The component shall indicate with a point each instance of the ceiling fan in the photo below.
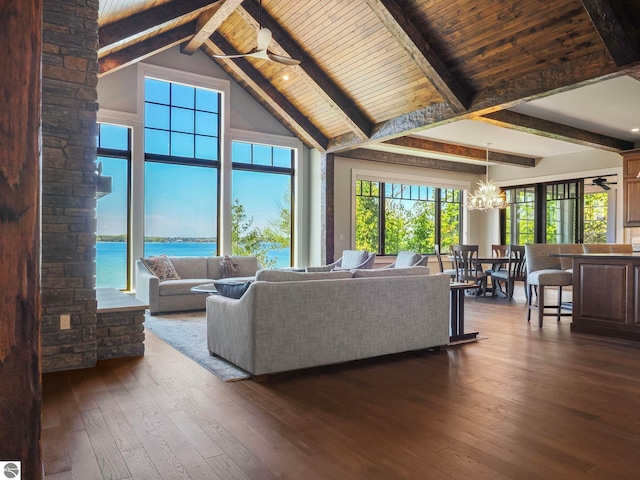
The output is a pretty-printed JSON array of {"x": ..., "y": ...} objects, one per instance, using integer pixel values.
[
  {"x": 262, "y": 48},
  {"x": 602, "y": 183}
]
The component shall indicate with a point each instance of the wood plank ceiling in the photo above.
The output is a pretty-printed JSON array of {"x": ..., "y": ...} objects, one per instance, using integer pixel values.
[{"x": 379, "y": 70}]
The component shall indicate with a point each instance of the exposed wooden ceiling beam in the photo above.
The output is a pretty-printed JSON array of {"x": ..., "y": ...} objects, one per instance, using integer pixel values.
[
  {"x": 241, "y": 70},
  {"x": 317, "y": 78},
  {"x": 153, "y": 18},
  {"x": 561, "y": 77},
  {"x": 620, "y": 40},
  {"x": 413, "y": 161},
  {"x": 208, "y": 22},
  {"x": 141, "y": 50},
  {"x": 413, "y": 42},
  {"x": 480, "y": 154},
  {"x": 544, "y": 128}
]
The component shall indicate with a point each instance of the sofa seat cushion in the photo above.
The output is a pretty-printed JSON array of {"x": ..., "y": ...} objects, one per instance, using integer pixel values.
[
  {"x": 182, "y": 286},
  {"x": 550, "y": 277}
]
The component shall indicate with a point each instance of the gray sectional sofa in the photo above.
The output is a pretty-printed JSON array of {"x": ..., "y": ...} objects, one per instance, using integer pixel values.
[
  {"x": 288, "y": 320},
  {"x": 176, "y": 295}
]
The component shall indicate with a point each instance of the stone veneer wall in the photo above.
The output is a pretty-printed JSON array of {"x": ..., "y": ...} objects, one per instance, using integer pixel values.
[
  {"x": 120, "y": 334},
  {"x": 69, "y": 106}
]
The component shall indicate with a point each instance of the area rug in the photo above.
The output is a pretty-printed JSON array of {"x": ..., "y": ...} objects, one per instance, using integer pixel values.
[{"x": 187, "y": 333}]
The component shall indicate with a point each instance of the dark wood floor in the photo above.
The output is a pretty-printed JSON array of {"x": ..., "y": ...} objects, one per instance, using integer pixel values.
[{"x": 523, "y": 403}]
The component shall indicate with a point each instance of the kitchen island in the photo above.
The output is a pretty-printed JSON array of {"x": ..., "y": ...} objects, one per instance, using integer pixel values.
[{"x": 606, "y": 294}]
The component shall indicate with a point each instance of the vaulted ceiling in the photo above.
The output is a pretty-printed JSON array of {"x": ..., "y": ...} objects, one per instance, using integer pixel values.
[{"x": 388, "y": 72}]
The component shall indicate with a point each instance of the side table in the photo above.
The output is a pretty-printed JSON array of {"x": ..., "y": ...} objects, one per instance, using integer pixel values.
[{"x": 456, "y": 311}]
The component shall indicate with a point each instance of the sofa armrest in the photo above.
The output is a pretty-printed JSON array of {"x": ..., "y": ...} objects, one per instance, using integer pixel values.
[
  {"x": 230, "y": 329},
  {"x": 147, "y": 287}
]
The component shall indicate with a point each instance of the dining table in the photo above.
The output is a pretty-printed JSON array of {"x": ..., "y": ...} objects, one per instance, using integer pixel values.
[{"x": 495, "y": 262}]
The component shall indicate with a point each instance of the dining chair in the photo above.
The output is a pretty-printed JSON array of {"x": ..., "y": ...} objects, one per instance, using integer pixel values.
[
  {"x": 515, "y": 271},
  {"x": 468, "y": 267},
  {"x": 451, "y": 272},
  {"x": 497, "y": 251}
]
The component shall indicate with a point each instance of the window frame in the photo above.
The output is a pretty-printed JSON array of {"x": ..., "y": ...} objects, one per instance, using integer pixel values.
[
  {"x": 115, "y": 153},
  {"x": 540, "y": 216},
  {"x": 180, "y": 160},
  {"x": 412, "y": 180},
  {"x": 272, "y": 169}
]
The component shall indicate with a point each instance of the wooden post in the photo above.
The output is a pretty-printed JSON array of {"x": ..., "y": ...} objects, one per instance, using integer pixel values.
[{"x": 20, "y": 157}]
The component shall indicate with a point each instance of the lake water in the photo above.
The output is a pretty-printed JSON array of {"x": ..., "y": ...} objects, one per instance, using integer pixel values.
[{"x": 111, "y": 258}]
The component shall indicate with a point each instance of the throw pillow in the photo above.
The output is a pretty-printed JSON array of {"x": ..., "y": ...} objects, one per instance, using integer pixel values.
[
  {"x": 161, "y": 267},
  {"x": 231, "y": 289},
  {"x": 228, "y": 268}
]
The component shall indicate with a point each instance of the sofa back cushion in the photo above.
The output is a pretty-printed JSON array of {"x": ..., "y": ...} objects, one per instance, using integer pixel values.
[
  {"x": 390, "y": 272},
  {"x": 353, "y": 258},
  {"x": 247, "y": 266},
  {"x": 407, "y": 259},
  {"x": 287, "y": 276},
  {"x": 190, "y": 267}
]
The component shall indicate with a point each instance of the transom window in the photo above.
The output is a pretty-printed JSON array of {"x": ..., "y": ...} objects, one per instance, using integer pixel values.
[{"x": 181, "y": 120}]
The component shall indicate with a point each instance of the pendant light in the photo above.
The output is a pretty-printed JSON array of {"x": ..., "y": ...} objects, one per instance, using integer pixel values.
[{"x": 487, "y": 196}]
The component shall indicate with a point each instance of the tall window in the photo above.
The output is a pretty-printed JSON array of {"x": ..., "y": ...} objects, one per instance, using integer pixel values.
[
  {"x": 262, "y": 202},
  {"x": 519, "y": 225},
  {"x": 563, "y": 220},
  {"x": 391, "y": 217},
  {"x": 596, "y": 206},
  {"x": 112, "y": 211},
  {"x": 182, "y": 150}
]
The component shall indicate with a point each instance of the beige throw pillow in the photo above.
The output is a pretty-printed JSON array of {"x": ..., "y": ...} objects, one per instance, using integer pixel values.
[{"x": 161, "y": 267}]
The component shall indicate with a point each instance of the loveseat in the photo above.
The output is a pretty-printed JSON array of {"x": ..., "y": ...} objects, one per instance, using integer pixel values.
[
  {"x": 176, "y": 295},
  {"x": 288, "y": 320}
]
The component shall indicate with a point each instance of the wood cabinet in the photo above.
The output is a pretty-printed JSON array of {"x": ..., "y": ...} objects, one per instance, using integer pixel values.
[
  {"x": 631, "y": 185},
  {"x": 606, "y": 291}
]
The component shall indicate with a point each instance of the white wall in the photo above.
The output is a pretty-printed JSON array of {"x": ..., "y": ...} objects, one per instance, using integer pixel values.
[
  {"x": 560, "y": 167},
  {"x": 118, "y": 91}
]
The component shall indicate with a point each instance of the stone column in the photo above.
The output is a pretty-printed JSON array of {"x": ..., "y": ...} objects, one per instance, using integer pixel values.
[{"x": 69, "y": 105}]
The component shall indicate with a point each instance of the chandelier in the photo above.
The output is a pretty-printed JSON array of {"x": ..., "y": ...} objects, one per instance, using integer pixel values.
[{"x": 487, "y": 196}]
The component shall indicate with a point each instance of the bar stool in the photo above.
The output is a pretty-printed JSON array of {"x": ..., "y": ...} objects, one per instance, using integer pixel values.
[{"x": 545, "y": 271}]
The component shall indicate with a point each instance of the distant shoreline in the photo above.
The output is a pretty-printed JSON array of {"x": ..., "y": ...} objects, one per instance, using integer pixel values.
[{"x": 123, "y": 238}]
